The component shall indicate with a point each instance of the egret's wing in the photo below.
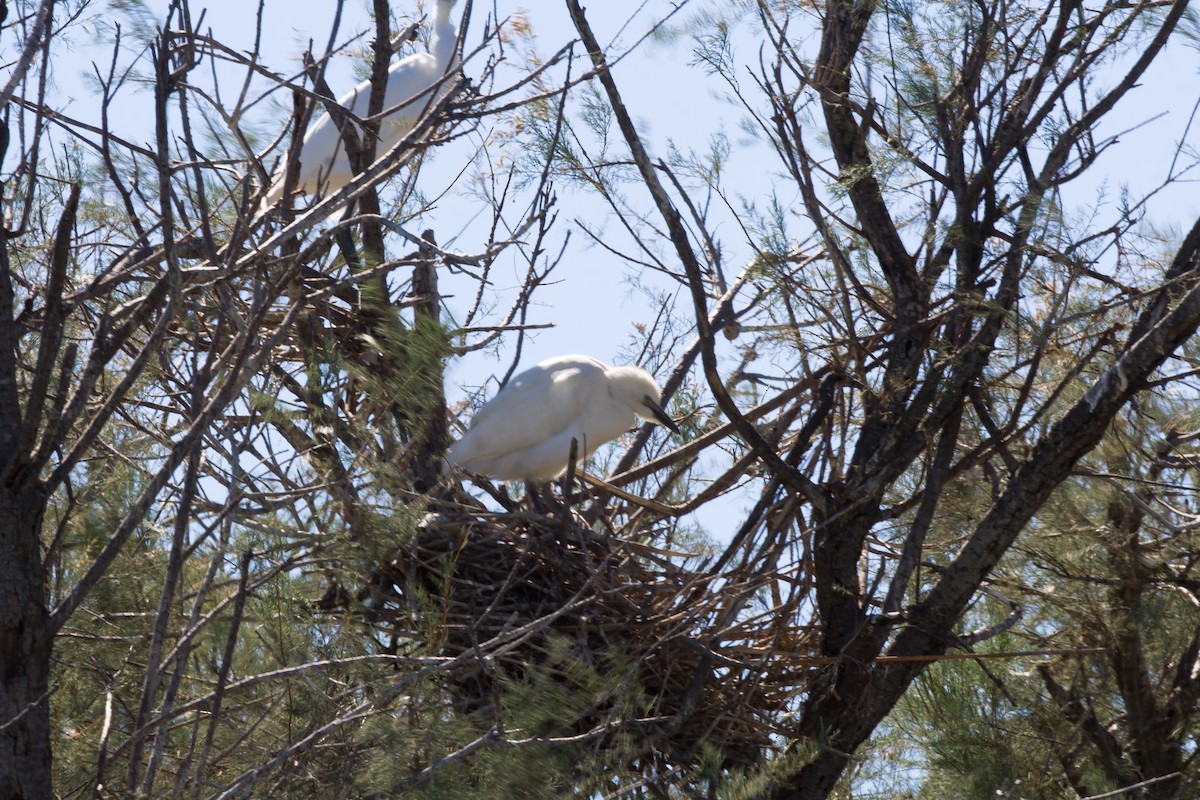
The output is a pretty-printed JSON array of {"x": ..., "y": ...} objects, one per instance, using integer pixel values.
[
  {"x": 535, "y": 406},
  {"x": 323, "y": 158},
  {"x": 407, "y": 78}
]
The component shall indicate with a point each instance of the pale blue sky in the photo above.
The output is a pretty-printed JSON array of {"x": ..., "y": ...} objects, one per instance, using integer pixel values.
[
  {"x": 591, "y": 306},
  {"x": 672, "y": 101}
]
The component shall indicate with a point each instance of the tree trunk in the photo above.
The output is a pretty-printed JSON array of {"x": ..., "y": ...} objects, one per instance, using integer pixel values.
[{"x": 26, "y": 635}]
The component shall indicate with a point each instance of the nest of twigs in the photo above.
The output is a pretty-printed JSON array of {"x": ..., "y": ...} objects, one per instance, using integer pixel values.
[{"x": 539, "y": 599}]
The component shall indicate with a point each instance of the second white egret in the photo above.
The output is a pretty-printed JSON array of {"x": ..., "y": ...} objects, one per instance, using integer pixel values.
[
  {"x": 525, "y": 431},
  {"x": 323, "y": 161}
]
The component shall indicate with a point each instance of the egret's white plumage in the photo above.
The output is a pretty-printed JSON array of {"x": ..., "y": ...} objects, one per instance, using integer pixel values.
[
  {"x": 323, "y": 161},
  {"x": 525, "y": 432}
]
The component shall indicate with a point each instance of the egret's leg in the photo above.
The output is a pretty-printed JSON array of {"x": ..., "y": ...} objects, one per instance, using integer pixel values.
[{"x": 532, "y": 491}]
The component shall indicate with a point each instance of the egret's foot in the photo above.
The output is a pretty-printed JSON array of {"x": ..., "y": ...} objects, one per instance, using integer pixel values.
[{"x": 541, "y": 498}]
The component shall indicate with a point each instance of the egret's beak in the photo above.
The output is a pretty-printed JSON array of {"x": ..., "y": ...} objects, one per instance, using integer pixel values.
[{"x": 660, "y": 415}]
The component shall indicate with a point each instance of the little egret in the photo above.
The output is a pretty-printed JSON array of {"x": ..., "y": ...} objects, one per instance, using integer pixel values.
[
  {"x": 323, "y": 161},
  {"x": 525, "y": 432}
]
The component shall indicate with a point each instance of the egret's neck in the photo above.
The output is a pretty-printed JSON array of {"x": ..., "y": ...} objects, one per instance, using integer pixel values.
[{"x": 445, "y": 37}]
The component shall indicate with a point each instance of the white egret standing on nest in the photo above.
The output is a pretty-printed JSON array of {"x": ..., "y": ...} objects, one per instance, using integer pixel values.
[
  {"x": 323, "y": 161},
  {"x": 525, "y": 432}
]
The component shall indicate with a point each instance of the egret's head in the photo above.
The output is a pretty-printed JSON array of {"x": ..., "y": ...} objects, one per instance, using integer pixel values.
[{"x": 637, "y": 389}]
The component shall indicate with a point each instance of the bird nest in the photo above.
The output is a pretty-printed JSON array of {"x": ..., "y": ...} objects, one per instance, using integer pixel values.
[{"x": 658, "y": 663}]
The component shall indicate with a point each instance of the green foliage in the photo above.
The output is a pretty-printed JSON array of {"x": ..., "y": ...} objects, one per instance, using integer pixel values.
[
  {"x": 967, "y": 739},
  {"x": 1098, "y": 577}
]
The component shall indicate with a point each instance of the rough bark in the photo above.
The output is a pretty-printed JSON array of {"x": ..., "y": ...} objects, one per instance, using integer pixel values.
[{"x": 26, "y": 635}]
